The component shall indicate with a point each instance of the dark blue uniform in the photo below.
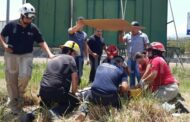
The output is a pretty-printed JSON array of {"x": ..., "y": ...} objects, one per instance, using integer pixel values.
[
  {"x": 104, "y": 90},
  {"x": 21, "y": 39}
]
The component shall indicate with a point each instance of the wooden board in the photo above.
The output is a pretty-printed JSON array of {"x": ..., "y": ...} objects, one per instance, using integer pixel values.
[{"x": 110, "y": 24}]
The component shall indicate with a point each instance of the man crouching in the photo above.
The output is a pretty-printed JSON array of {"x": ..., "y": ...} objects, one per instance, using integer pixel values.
[
  {"x": 60, "y": 74},
  {"x": 110, "y": 79}
]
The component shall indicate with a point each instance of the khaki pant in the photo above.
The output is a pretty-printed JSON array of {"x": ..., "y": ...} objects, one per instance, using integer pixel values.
[
  {"x": 18, "y": 70},
  {"x": 167, "y": 93}
]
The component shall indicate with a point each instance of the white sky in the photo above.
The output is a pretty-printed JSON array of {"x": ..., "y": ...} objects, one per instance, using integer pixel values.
[{"x": 180, "y": 9}]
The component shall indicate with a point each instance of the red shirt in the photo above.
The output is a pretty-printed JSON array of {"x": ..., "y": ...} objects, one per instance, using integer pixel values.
[{"x": 164, "y": 75}]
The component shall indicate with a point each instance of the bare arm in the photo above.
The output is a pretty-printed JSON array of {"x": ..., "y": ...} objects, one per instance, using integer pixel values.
[
  {"x": 105, "y": 48},
  {"x": 150, "y": 78},
  {"x": 75, "y": 28},
  {"x": 45, "y": 47},
  {"x": 74, "y": 82},
  {"x": 147, "y": 71},
  {"x": 86, "y": 49},
  {"x": 124, "y": 87},
  {"x": 121, "y": 39}
]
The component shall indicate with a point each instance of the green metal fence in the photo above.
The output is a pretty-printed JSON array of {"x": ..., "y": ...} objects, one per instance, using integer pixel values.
[{"x": 54, "y": 17}]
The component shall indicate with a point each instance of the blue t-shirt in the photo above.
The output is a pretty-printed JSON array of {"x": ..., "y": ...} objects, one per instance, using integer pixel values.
[
  {"x": 135, "y": 43},
  {"x": 108, "y": 77},
  {"x": 79, "y": 37}
]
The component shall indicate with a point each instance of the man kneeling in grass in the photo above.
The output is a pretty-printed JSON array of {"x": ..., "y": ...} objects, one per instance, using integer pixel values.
[
  {"x": 158, "y": 76},
  {"x": 60, "y": 74},
  {"x": 109, "y": 79}
]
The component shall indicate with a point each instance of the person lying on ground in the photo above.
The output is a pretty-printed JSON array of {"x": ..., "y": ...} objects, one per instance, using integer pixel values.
[
  {"x": 109, "y": 78},
  {"x": 59, "y": 76}
]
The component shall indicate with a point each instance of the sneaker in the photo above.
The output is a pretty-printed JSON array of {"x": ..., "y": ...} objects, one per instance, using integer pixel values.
[{"x": 181, "y": 108}]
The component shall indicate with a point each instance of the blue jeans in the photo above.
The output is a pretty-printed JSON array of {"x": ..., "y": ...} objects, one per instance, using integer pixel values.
[
  {"x": 79, "y": 62},
  {"x": 134, "y": 72}
]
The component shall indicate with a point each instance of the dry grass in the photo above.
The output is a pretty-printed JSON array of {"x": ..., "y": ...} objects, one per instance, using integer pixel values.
[{"x": 143, "y": 109}]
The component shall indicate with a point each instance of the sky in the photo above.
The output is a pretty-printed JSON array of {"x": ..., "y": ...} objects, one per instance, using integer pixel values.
[{"x": 180, "y": 9}]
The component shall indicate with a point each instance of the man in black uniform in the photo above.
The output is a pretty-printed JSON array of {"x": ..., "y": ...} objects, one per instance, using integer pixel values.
[
  {"x": 96, "y": 45},
  {"x": 60, "y": 74},
  {"x": 17, "y": 39}
]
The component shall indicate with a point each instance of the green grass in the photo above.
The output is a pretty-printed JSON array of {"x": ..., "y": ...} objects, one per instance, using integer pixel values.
[
  {"x": 2, "y": 70},
  {"x": 183, "y": 76}
]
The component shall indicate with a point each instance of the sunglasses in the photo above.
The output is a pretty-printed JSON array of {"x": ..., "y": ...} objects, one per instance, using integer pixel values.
[{"x": 29, "y": 16}]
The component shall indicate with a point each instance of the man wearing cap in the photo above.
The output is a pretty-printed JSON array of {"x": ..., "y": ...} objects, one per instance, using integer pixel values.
[
  {"x": 77, "y": 34},
  {"x": 110, "y": 79},
  {"x": 136, "y": 41},
  {"x": 17, "y": 39},
  {"x": 59, "y": 76}
]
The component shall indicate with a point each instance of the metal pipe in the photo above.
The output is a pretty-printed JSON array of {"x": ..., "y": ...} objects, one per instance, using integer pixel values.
[
  {"x": 23, "y": 1},
  {"x": 72, "y": 7},
  {"x": 177, "y": 37},
  {"x": 8, "y": 11}
]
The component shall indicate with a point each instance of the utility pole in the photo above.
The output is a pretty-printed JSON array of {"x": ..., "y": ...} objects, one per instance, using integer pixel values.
[
  {"x": 71, "y": 12},
  {"x": 8, "y": 11},
  {"x": 23, "y": 1}
]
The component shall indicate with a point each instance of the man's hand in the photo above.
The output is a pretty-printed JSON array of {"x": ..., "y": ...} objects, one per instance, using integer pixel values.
[
  {"x": 87, "y": 62},
  {"x": 95, "y": 55},
  {"x": 80, "y": 24},
  {"x": 7, "y": 48},
  {"x": 140, "y": 84},
  {"x": 51, "y": 56}
]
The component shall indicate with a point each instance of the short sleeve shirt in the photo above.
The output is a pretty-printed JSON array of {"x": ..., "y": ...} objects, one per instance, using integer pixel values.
[
  {"x": 96, "y": 44},
  {"x": 58, "y": 73},
  {"x": 79, "y": 37},
  {"x": 135, "y": 43},
  {"x": 108, "y": 77},
  {"x": 164, "y": 75},
  {"x": 21, "y": 39}
]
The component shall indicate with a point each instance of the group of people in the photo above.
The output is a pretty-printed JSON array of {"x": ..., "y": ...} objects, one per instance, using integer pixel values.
[{"x": 145, "y": 62}]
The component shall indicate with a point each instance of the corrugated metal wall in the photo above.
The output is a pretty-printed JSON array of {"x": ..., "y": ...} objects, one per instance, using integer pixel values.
[{"x": 53, "y": 17}]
